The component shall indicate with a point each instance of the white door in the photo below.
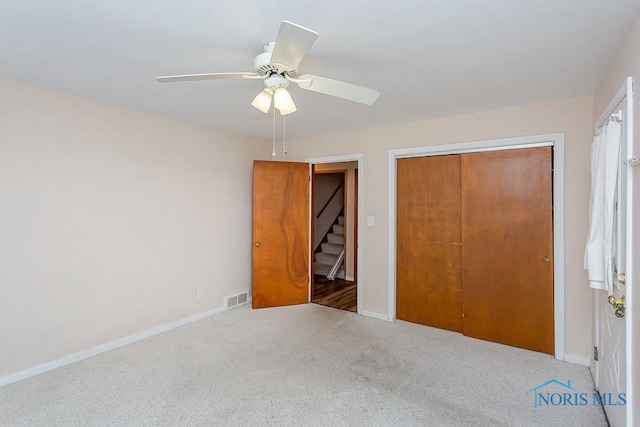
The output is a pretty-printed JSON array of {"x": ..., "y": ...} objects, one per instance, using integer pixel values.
[{"x": 611, "y": 368}]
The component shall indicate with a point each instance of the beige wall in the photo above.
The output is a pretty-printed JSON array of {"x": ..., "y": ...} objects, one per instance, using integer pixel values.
[
  {"x": 572, "y": 117},
  {"x": 627, "y": 63},
  {"x": 110, "y": 220}
]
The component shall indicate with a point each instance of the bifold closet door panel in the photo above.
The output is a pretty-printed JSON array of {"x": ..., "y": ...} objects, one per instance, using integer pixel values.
[
  {"x": 507, "y": 247},
  {"x": 428, "y": 264},
  {"x": 429, "y": 284}
]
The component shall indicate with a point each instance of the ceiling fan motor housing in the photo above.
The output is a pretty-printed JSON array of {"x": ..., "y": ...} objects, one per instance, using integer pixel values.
[
  {"x": 263, "y": 66},
  {"x": 275, "y": 81}
]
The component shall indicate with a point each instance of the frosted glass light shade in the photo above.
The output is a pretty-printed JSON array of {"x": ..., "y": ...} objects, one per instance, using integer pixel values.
[
  {"x": 283, "y": 101},
  {"x": 262, "y": 101}
]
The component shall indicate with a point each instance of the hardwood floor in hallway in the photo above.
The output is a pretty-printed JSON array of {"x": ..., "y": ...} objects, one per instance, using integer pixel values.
[{"x": 338, "y": 293}]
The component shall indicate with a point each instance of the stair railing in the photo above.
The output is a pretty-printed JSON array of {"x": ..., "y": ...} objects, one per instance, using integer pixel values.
[
  {"x": 325, "y": 218},
  {"x": 330, "y": 199},
  {"x": 336, "y": 266}
]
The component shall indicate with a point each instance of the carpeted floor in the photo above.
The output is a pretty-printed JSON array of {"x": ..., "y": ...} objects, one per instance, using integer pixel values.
[{"x": 301, "y": 365}]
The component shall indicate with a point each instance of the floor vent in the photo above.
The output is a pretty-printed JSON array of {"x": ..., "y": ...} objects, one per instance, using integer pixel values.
[{"x": 236, "y": 300}]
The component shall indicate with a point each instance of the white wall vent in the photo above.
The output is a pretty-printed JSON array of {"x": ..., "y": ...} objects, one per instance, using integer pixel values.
[
  {"x": 243, "y": 298},
  {"x": 236, "y": 300},
  {"x": 232, "y": 301}
]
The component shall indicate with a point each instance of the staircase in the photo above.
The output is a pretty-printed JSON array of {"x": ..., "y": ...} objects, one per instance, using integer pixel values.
[{"x": 330, "y": 251}]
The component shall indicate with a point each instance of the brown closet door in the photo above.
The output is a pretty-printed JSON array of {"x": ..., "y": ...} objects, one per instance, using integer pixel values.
[
  {"x": 428, "y": 282},
  {"x": 507, "y": 247}
]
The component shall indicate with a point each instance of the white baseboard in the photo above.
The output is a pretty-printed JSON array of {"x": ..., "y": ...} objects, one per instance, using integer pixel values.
[
  {"x": 375, "y": 315},
  {"x": 75, "y": 357},
  {"x": 578, "y": 360}
]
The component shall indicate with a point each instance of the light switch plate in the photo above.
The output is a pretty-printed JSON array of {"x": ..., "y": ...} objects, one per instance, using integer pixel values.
[{"x": 371, "y": 221}]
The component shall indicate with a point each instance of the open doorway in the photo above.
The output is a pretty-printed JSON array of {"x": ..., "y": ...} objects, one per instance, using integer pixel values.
[{"x": 334, "y": 225}]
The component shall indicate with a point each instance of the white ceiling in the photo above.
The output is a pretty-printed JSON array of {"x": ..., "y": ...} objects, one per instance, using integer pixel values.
[{"x": 428, "y": 58}]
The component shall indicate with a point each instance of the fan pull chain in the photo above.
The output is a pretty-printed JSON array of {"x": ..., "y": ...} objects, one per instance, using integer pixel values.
[
  {"x": 284, "y": 134},
  {"x": 273, "y": 150}
]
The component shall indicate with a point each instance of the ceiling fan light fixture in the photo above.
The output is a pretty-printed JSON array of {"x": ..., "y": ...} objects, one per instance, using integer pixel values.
[
  {"x": 262, "y": 101},
  {"x": 283, "y": 101}
]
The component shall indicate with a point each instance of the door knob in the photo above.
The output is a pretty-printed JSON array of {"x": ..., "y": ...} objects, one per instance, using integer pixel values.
[
  {"x": 618, "y": 305},
  {"x": 257, "y": 244},
  {"x": 616, "y": 301}
]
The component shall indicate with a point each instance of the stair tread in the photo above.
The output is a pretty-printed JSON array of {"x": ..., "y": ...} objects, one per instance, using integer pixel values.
[
  {"x": 325, "y": 257},
  {"x": 323, "y": 269},
  {"x": 335, "y": 238},
  {"x": 332, "y": 248}
]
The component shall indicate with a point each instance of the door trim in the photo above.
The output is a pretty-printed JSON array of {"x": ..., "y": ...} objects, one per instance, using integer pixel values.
[
  {"x": 357, "y": 157},
  {"x": 557, "y": 141}
]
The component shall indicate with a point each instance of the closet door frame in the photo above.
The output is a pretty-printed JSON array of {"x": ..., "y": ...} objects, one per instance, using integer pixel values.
[{"x": 555, "y": 140}]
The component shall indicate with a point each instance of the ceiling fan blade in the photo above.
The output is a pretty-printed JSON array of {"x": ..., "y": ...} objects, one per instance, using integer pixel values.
[
  {"x": 338, "y": 89},
  {"x": 292, "y": 45},
  {"x": 210, "y": 76}
]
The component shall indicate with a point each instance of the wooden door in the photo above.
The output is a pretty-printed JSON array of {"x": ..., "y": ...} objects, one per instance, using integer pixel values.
[
  {"x": 280, "y": 233},
  {"x": 429, "y": 288},
  {"x": 507, "y": 247}
]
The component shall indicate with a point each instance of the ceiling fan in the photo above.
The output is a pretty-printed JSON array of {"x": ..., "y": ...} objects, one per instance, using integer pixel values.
[{"x": 277, "y": 66}]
